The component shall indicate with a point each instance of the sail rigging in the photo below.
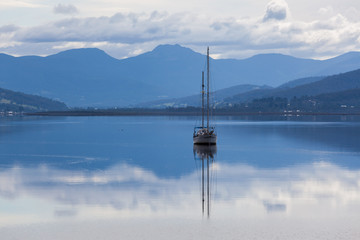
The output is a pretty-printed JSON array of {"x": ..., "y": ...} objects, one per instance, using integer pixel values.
[{"x": 202, "y": 134}]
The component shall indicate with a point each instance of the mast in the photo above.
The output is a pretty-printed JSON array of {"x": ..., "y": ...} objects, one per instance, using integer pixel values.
[
  {"x": 202, "y": 101},
  {"x": 208, "y": 88}
]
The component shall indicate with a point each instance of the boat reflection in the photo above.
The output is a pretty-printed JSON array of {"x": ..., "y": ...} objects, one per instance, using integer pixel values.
[{"x": 206, "y": 153}]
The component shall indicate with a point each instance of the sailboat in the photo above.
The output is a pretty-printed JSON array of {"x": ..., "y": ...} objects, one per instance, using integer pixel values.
[{"x": 205, "y": 134}]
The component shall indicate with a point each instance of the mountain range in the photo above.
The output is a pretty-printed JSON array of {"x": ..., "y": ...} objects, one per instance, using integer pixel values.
[{"x": 90, "y": 77}]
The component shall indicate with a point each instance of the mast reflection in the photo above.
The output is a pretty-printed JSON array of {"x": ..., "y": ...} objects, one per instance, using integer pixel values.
[{"x": 208, "y": 153}]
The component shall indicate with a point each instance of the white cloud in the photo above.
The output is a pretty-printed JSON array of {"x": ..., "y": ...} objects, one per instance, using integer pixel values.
[
  {"x": 276, "y": 10},
  {"x": 123, "y": 28},
  {"x": 65, "y": 9},
  {"x": 8, "y": 28},
  {"x": 70, "y": 45},
  {"x": 353, "y": 14},
  {"x": 125, "y": 34},
  {"x": 329, "y": 10},
  {"x": 18, "y": 4}
]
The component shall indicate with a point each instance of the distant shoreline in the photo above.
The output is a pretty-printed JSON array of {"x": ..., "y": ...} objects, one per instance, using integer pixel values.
[{"x": 179, "y": 113}]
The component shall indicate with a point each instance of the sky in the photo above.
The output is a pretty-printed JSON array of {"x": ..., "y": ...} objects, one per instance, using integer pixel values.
[{"x": 317, "y": 29}]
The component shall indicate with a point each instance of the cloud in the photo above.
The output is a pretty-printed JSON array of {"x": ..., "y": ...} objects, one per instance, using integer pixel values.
[
  {"x": 326, "y": 10},
  {"x": 119, "y": 28},
  {"x": 18, "y": 4},
  {"x": 353, "y": 14},
  {"x": 65, "y": 9},
  {"x": 8, "y": 28},
  {"x": 125, "y": 34},
  {"x": 276, "y": 10}
]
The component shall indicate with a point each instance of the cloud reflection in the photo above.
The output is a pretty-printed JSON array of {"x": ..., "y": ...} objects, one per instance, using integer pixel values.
[{"x": 130, "y": 191}]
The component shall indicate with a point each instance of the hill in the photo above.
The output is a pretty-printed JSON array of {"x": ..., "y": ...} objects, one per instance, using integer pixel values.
[
  {"x": 20, "y": 102},
  {"x": 330, "y": 84},
  {"x": 301, "y": 81},
  {"x": 90, "y": 77},
  {"x": 347, "y": 101}
]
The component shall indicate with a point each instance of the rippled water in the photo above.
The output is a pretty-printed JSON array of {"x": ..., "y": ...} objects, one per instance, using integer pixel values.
[{"x": 141, "y": 178}]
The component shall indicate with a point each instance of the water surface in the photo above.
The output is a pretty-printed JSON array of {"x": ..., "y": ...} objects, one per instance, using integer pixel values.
[{"x": 140, "y": 177}]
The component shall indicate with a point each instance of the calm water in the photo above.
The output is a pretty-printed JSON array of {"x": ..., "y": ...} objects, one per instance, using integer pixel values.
[{"x": 141, "y": 178}]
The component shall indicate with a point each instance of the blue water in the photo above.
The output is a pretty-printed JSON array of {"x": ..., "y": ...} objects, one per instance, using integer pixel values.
[
  {"x": 67, "y": 170},
  {"x": 164, "y": 145}
]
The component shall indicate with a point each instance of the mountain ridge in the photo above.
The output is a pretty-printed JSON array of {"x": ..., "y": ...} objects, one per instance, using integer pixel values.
[{"x": 91, "y": 77}]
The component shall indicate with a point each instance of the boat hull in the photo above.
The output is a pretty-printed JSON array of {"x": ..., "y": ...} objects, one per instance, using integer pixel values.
[{"x": 205, "y": 139}]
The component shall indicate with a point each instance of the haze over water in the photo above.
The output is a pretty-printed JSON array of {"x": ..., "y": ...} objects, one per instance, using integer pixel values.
[{"x": 140, "y": 177}]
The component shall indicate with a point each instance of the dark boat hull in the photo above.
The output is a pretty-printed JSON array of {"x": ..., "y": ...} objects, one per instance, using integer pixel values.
[{"x": 205, "y": 139}]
